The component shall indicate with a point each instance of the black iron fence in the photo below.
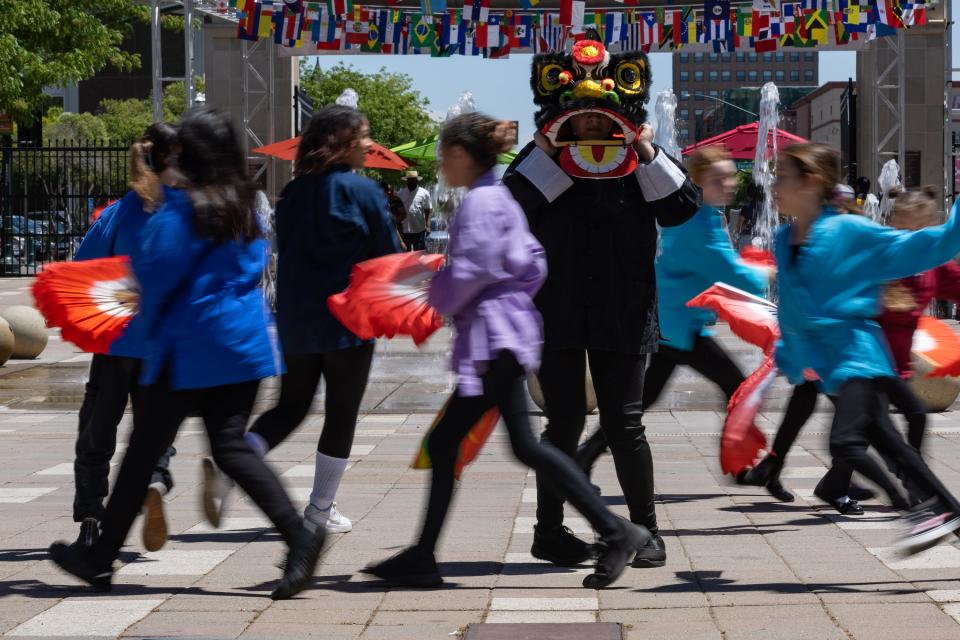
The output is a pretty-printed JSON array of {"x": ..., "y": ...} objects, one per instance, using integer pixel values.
[{"x": 47, "y": 196}]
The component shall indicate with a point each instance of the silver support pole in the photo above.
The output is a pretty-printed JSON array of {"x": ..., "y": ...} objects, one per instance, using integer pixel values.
[
  {"x": 947, "y": 106},
  {"x": 157, "y": 61},
  {"x": 188, "y": 50},
  {"x": 902, "y": 103},
  {"x": 271, "y": 115}
]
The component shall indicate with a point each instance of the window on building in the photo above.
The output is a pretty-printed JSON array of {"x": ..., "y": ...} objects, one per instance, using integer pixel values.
[
  {"x": 752, "y": 74},
  {"x": 698, "y": 57},
  {"x": 795, "y": 75},
  {"x": 726, "y": 57},
  {"x": 911, "y": 172},
  {"x": 767, "y": 75},
  {"x": 794, "y": 57},
  {"x": 808, "y": 56},
  {"x": 698, "y": 113},
  {"x": 684, "y": 76},
  {"x": 685, "y": 133},
  {"x": 698, "y": 97},
  {"x": 752, "y": 57},
  {"x": 741, "y": 75},
  {"x": 714, "y": 76},
  {"x": 779, "y": 76},
  {"x": 741, "y": 57},
  {"x": 768, "y": 57},
  {"x": 684, "y": 114},
  {"x": 780, "y": 56},
  {"x": 725, "y": 76},
  {"x": 684, "y": 95},
  {"x": 684, "y": 57},
  {"x": 808, "y": 75},
  {"x": 714, "y": 57},
  {"x": 698, "y": 76},
  {"x": 713, "y": 93}
]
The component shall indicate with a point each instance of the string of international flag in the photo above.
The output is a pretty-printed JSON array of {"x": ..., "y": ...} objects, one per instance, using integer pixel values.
[{"x": 477, "y": 30}]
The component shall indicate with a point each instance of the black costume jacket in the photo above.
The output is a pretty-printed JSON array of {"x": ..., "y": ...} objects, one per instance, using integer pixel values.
[{"x": 600, "y": 238}]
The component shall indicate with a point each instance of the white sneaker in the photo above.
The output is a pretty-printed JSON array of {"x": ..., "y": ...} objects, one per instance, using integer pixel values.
[
  {"x": 330, "y": 519},
  {"x": 216, "y": 488}
]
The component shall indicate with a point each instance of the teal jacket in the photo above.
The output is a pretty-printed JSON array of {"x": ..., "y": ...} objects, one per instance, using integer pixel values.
[
  {"x": 695, "y": 255},
  {"x": 829, "y": 293}
]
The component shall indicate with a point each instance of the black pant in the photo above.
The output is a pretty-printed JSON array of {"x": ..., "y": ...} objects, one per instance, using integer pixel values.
[
  {"x": 618, "y": 382},
  {"x": 345, "y": 372},
  {"x": 113, "y": 379},
  {"x": 803, "y": 402},
  {"x": 913, "y": 409},
  {"x": 556, "y": 472},
  {"x": 862, "y": 419},
  {"x": 415, "y": 241},
  {"x": 706, "y": 358},
  {"x": 158, "y": 413}
]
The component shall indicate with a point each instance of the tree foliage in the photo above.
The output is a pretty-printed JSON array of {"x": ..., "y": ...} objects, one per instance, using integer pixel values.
[
  {"x": 55, "y": 42},
  {"x": 72, "y": 127},
  {"x": 397, "y": 113}
]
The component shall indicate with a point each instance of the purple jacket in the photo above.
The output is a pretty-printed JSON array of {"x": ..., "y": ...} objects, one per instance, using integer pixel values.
[{"x": 496, "y": 267}]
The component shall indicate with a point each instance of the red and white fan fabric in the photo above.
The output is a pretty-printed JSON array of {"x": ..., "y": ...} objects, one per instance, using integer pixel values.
[
  {"x": 754, "y": 320},
  {"x": 758, "y": 257},
  {"x": 741, "y": 441},
  {"x": 92, "y": 301},
  {"x": 387, "y": 296},
  {"x": 936, "y": 343},
  {"x": 751, "y": 318}
]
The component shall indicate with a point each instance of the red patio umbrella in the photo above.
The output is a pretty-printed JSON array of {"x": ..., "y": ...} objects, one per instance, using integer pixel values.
[
  {"x": 742, "y": 141},
  {"x": 378, "y": 158}
]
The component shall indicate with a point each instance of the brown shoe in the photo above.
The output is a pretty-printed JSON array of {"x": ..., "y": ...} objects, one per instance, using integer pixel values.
[{"x": 154, "y": 519}]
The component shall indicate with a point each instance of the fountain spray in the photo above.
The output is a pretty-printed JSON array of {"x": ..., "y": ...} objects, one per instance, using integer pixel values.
[
  {"x": 765, "y": 164},
  {"x": 665, "y": 123}
]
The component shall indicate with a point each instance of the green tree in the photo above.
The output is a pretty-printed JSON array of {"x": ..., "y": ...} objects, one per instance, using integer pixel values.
[
  {"x": 72, "y": 127},
  {"x": 56, "y": 42},
  {"x": 396, "y": 111},
  {"x": 126, "y": 120}
]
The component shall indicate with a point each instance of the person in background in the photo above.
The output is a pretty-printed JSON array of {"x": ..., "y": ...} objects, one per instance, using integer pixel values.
[
  {"x": 496, "y": 268},
  {"x": 205, "y": 317},
  {"x": 748, "y": 215},
  {"x": 328, "y": 219},
  {"x": 397, "y": 211},
  {"x": 114, "y": 375},
  {"x": 417, "y": 203}
]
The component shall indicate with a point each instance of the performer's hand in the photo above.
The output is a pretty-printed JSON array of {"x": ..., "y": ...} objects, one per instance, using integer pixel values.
[
  {"x": 644, "y": 143},
  {"x": 544, "y": 143}
]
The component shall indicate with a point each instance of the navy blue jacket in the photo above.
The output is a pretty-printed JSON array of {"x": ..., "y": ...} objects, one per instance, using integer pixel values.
[{"x": 326, "y": 223}]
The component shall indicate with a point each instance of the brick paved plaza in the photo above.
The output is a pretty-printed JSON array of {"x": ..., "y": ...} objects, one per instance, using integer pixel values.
[{"x": 740, "y": 565}]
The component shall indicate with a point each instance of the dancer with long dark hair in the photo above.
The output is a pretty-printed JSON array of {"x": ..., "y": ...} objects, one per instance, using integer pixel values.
[{"x": 202, "y": 309}]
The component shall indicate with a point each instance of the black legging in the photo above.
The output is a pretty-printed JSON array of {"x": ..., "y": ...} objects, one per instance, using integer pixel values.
[
  {"x": 618, "y": 382},
  {"x": 158, "y": 413},
  {"x": 503, "y": 388},
  {"x": 345, "y": 372},
  {"x": 113, "y": 380},
  {"x": 706, "y": 357},
  {"x": 862, "y": 419}
]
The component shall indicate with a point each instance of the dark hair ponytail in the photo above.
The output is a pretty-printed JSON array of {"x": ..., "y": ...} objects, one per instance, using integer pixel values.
[
  {"x": 215, "y": 170},
  {"x": 148, "y": 159},
  {"x": 482, "y": 137}
]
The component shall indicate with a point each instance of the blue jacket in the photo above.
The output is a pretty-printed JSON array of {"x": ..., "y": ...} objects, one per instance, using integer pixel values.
[
  {"x": 829, "y": 293},
  {"x": 201, "y": 306},
  {"x": 326, "y": 223},
  {"x": 695, "y": 255},
  {"x": 117, "y": 233}
]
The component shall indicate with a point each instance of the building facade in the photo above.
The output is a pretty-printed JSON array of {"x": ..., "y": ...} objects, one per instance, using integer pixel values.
[
  {"x": 700, "y": 80},
  {"x": 818, "y": 114}
]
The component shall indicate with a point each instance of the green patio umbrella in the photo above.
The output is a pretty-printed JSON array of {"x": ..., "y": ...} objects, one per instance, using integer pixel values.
[{"x": 426, "y": 149}]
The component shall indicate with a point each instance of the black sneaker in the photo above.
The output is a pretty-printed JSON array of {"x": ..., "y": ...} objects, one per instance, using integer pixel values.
[
  {"x": 301, "y": 561},
  {"x": 615, "y": 552},
  {"x": 766, "y": 471},
  {"x": 925, "y": 525},
  {"x": 559, "y": 546},
  {"x": 844, "y": 505},
  {"x": 776, "y": 489},
  {"x": 412, "y": 567},
  {"x": 89, "y": 533},
  {"x": 78, "y": 561},
  {"x": 652, "y": 554}
]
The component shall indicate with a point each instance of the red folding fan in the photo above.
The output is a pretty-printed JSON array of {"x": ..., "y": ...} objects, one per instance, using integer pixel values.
[
  {"x": 92, "y": 301},
  {"x": 387, "y": 296},
  {"x": 751, "y": 318},
  {"x": 741, "y": 441},
  {"x": 936, "y": 343}
]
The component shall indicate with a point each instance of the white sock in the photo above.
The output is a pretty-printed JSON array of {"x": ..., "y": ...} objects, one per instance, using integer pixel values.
[
  {"x": 326, "y": 480},
  {"x": 257, "y": 443}
]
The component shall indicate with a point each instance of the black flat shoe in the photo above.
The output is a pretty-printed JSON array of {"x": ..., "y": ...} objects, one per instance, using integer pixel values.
[
  {"x": 780, "y": 492},
  {"x": 650, "y": 555},
  {"x": 78, "y": 561},
  {"x": 559, "y": 546},
  {"x": 412, "y": 567},
  {"x": 301, "y": 562},
  {"x": 844, "y": 505},
  {"x": 615, "y": 553}
]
